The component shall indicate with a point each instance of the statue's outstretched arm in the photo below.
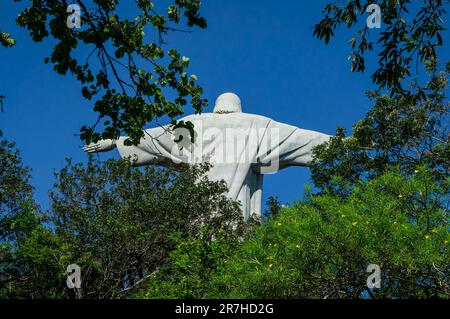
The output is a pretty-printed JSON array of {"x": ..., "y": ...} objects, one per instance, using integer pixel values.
[
  {"x": 100, "y": 146},
  {"x": 285, "y": 145}
]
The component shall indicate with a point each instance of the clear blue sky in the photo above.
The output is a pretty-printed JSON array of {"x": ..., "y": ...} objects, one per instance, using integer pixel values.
[{"x": 262, "y": 50}]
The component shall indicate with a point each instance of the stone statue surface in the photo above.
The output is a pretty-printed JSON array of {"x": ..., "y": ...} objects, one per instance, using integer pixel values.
[{"x": 241, "y": 147}]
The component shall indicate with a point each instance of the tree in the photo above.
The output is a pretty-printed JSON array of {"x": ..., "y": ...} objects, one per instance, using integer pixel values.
[
  {"x": 407, "y": 129},
  {"x": 408, "y": 125},
  {"x": 401, "y": 131},
  {"x": 192, "y": 265},
  {"x": 123, "y": 222},
  {"x": 15, "y": 191},
  {"x": 30, "y": 254},
  {"x": 411, "y": 33},
  {"x": 133, "y": 73},
  {"x": 117, "y": 222},
  {"x": 322, "y": 246},
  {"x": 6, "y": 40},
  {"x": 273, "y": 207}
]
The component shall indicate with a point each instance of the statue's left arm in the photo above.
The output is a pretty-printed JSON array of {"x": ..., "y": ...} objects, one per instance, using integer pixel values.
[{"x": 284, "y": 145}]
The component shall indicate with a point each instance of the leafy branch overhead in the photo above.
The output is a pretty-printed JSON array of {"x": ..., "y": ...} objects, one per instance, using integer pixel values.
[
  {"x": 6, "y": 40},
  {"x": 411, "y": 31},
  {"x": 133, "y": 74}
]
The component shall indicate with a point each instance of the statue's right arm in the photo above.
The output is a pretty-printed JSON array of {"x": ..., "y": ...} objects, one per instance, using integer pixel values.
[
  {"x": 156, "y": 147},
  {"x": 285, "y": 145},
  {"x": 100, "y": 146}
]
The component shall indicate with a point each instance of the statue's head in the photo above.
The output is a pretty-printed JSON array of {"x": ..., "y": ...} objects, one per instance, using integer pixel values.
[{"x": 228, "y": 103}]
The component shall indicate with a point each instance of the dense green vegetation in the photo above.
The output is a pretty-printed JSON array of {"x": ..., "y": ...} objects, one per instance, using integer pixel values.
[
  {"x": 321, "y": 247},
  {"x": 115, "y": 221}
]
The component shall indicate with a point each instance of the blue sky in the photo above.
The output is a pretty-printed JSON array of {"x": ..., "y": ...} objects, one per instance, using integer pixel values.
[{"x": 262, "y": 50}]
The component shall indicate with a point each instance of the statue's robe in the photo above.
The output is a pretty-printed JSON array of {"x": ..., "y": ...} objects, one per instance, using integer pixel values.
[{"x": 241, "y": 148}]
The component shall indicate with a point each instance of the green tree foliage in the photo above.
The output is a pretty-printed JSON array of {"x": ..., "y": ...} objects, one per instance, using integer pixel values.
[
  {"x": 273, "y": 207},
  {"x": 15, "y": 191},
  {"x": 6, "y": 40},
  {"x": 30, "y": 255},
  {"x": 117, "y": 222},
  {"x": 192, "y": 264},
  {"x": 128, "y": 67},
  {"x": 123, "y": 222},
  {"x": 411, "y": 32},
  {"x": 407, "y": 127},
  {"x": 322, "y": 246},
  {"x": 34, "y": 266},
  {"x": 402, "y": 131}
]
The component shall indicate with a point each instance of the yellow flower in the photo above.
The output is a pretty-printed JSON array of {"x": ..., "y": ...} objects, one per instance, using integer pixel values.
[
  {"x": 416, "y": 171},
  {"x": 279, "y": 224},
  {"x": 343, "y": 215},
  {"x": 446, "y": 242},
  {"x": 400, "y": 195},
  {"x": 354, "y": 224},
  {"x": 297, "y": 246},
  {"x": 270, "y": 266},
  {"x": 427, "y": 237},
  {"x": 395, "y": 223}
]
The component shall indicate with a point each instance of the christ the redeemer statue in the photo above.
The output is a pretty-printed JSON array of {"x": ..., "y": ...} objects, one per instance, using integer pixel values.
[{"x": 241, "y": 147}]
